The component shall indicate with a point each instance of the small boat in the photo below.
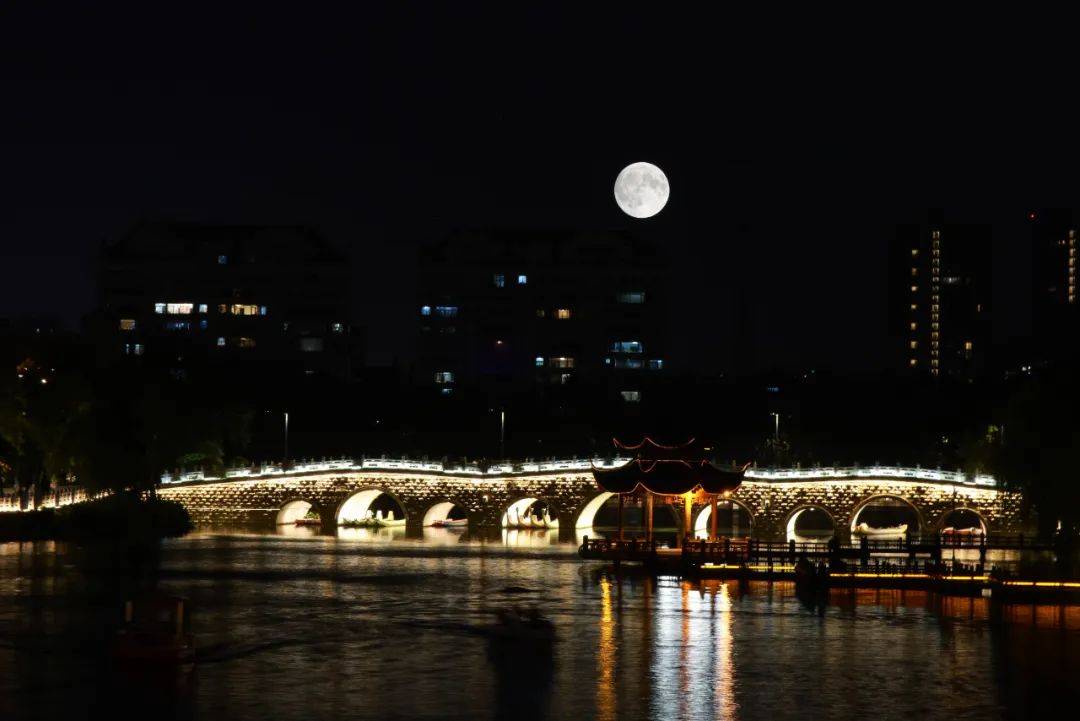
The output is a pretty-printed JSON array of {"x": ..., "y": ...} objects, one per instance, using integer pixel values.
[
  {"x": 864, "y": 529},
  {"x": 155, "y": 632},
  {"x": 308, "y": 522},
  {"x": 451, "y": 523},
  {"x": 527, "y": 520},
  {"x": 388, "y": 521},
  {"x": 951, "y": 532}
]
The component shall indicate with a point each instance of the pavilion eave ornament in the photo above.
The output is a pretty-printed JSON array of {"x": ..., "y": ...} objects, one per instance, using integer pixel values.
[{"x": 668, "y": 470}]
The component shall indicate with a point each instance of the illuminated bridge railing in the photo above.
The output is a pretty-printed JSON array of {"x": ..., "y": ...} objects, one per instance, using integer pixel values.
[
  {"x": 859, "y": 472},
  {"x": 778, "y": 475},
  {"x": 393, "y": 464}
]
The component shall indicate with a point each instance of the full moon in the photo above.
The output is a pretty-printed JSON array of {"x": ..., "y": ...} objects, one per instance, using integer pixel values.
[{"x": 641, "y": 190}]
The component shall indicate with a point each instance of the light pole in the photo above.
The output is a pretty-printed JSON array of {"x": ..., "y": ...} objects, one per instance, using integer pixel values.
[
  {"x": 502, "y": 433},
  {"x": 776, "y": 433},
  {"x": 285, "y": 459}
]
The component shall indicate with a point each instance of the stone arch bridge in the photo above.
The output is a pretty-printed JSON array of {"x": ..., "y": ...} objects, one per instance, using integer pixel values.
[{"x": 339, "y": 490}]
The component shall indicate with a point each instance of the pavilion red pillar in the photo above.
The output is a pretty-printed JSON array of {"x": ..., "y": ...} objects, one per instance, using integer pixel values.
[
  {"x": 712, "y": 518},
  {"x": 687, "y": 512},
  {"x": 620, "y": 517},
  {"x": 648, "y": 515}
]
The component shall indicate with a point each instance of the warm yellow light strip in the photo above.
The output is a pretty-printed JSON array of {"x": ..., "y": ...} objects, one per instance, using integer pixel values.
[{"x": 1044, "y": 584}]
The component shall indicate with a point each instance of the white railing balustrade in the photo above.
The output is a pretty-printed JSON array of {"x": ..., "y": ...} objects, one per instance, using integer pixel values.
[{"x": 576, "y": 464}]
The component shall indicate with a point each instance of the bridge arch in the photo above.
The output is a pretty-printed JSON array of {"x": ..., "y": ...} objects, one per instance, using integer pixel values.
[
  {"x": 587, "y": 514},
  {"x": 790, "y": 524},
  {"x": 293, "y": 510},
  {"x": 355, "y": 507},
  {"x": 702, "y": 523},
  {"x": 888, "y": 499},
  {"x": 525, "y": 506},
  {"x": 951, "y": 516},
  {"x": 444, "y": 510}
]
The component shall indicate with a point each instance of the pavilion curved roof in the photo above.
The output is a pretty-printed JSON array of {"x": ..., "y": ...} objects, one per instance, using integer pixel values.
[{"x": 667, "y": 470}]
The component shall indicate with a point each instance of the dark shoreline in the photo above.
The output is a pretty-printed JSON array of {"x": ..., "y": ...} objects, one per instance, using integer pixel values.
[{"x": 118, "y": 517}]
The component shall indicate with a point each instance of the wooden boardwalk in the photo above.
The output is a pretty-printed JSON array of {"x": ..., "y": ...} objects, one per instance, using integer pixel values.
[{"x": 868, "y": 564}]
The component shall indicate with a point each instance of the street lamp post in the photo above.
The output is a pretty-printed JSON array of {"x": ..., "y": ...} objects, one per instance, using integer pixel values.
[
  {"x": 776, "y": 432},
  {"x": 285, "y": 459},
  {"x": 502, "y": 433}
]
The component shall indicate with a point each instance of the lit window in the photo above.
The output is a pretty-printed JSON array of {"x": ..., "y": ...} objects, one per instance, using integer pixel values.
[
  {"x": 243, "y": 309},
  {"x": 914, "y": 307},
  {"x": 914, "y": 289},
  {"x": 262, "y": 310},
  {"x": 127, "y": 324},
  {"x": 221, "y": 342},
  {"x": 446, "y": 311},
  {"x": 246, "y": 342},
  {"x": 968, "y": 345},
  {"x": 178, "y": 325},
  {"x": 311, "y": 345},
  {"x": 656, "y": 364},
  {"x": 631, "y": 396},
  {"x": 565, "y": 378},
  {"x": 446, "y": 391},
  {"x": 139, "y": 348},
  {"x": 634, "y": 296},
  {"x": 914, "y": 326},
  {"x": 444, "y": 377},
  {"x": 499, "y": 280},
  {"x": 914, "y": 272},
  {"x": 540, "y": 312},
  {"x": 633, "y": 363},
  {"x": 223, "y": 308},
  {"x": 626, "y": 346},
  {"x": 539, "y": 361},
  {"x": 179, "y": 308},
  {"x": 912, "y": 362},
  {"x": 202, "y": 324},
  {"x": 562, "y": 362},
  {"x": 222, "y": 259},
  {"x": 523, "y": 279},
  {"x": 202, "y": 307},
  {"x": 498, "y": 344},
  {"x": 607, "y": 361},
  {"x": 425, "y": 310},
  {"x": 337, "y": 327},
  {"x": 562, "y": 313},
  {"x": 159, "y": 308},
  {"x": 914, "y": 344},
  {"x": 914, "y": 252}
]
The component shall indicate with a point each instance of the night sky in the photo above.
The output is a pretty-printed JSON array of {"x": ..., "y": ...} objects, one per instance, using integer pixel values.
[{"x": 386, "y": 128}]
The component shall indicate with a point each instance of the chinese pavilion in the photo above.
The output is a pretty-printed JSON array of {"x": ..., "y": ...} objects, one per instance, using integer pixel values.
[{"x": 677, "y": 475}]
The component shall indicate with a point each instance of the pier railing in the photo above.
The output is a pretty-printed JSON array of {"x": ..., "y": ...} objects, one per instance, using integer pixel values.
[{"x": 742, "y": 551}]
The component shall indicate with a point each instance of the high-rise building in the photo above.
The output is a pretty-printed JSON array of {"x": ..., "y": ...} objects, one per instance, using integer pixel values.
[
  {"x": 940, "y": 296},
  {"x": 542, "y": 314},
  {"x": 266, "y": 302},
  {"x": 1056, "y": 301}
]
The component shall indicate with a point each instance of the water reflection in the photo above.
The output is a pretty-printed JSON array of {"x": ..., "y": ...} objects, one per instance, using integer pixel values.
[
  {"x": 530, "y": 537},
  {"x": 298, "y": 628},
  {"x": 605, "y": 656}
]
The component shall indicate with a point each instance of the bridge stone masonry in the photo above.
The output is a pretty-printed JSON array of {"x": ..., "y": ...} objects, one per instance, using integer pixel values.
[{"x": 342, "y": 490}]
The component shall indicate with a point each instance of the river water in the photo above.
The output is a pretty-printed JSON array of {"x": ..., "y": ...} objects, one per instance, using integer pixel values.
[{"x": 379, "y": 626}]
